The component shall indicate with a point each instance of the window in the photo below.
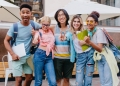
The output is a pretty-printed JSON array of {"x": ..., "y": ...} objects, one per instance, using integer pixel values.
[
  {"x": 26, "y": 0},
  {"x": 36, "y": 15},
  {"x": 112, "y": 2},
  {"x": 100, "y": 22},
  {"x": 99, "y": 1},
  {"x": 38, "y": 0},
  {"x": 108, "y": 22},
  {"x": 107, "y": 2}
]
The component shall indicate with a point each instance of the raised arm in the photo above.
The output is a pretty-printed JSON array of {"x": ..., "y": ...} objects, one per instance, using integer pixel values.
[
  {"x": 36, "y": 38},
  {"x": 52, "y": 28}
]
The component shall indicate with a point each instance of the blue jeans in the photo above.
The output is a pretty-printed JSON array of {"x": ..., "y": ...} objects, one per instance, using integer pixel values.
[
  {"x": 104, "y": 72},
  {"x": 42, "y": 62},
  {"x": 84, "y": 68}
]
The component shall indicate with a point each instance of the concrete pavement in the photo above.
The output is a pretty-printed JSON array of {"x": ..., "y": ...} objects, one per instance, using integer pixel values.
[{"x": 96, "y": 82}]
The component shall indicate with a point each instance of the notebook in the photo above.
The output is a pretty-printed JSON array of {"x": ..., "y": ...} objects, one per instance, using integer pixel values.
[
  {"x": 80, "y": 36},
  {"x": 19, "y": 50}
]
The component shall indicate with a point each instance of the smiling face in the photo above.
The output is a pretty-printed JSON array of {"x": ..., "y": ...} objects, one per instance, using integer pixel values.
[
  {"x": 45, "y": 26},
  {"x": 25, "y": 14},
  {"x": 61, "y": 17},
  {"x": 76, "y": 24},
  {"x": 91, "y": 24}
]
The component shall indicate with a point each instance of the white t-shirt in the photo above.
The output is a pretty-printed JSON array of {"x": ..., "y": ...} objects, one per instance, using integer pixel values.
[
  {"x": 99, "y": 37},
  {"x": 77, "y": 46}
]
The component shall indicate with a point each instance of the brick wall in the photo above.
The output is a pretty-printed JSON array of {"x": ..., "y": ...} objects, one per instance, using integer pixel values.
[
  {"x": 116, "y": 38},
  {"x": 2, "y": 48}
]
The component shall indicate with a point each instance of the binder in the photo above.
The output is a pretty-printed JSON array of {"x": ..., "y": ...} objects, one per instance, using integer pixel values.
[
  {"x": 80, "y": 36},
  {"x": 19, "y": 50}
]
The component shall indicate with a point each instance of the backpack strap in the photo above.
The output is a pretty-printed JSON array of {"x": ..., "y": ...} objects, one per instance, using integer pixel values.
[
  {"x": 32, "y": 23},
  {"x": 15, "y": 33},
  {"x": 107, "y": 36}
]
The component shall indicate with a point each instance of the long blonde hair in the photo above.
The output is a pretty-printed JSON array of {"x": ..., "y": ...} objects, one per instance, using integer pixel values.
[{"x": 81, "y": 23}]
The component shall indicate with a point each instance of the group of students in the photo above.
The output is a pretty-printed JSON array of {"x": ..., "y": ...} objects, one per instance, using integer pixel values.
[{"x": 58, "y": 50}]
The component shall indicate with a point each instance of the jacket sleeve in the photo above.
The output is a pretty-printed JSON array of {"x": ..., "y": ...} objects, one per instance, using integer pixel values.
[{"x": 72, "y": 50}]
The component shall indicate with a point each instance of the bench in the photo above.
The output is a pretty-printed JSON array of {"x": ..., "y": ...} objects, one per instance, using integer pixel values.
[{"x": 2, "y": 72}]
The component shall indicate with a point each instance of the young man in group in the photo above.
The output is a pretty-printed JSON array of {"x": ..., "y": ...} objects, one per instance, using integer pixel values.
[{"x": 25, "y": 32}]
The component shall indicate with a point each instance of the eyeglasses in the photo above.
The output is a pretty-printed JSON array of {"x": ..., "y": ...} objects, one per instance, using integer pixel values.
[
  {"x": 89, "y": 22},
  {"x": 47, "y": 25},
  {"x": 61, "y": 15}
]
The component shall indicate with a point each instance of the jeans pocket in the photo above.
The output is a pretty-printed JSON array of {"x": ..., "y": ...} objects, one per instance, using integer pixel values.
[
  {"x": 39, "y": 55},
  {"x": 39, "y": 51}
]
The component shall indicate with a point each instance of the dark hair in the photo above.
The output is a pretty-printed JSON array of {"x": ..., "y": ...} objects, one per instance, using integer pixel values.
[
  {"x": 81, "y": 22},
  {"x": 95, "y": 15},
  {"x": 26, "y": 6},
  {"x": 66, "y": 15}
]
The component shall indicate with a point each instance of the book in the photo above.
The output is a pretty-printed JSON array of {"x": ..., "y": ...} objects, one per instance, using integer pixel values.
[
  {"x": 19, "y": 50},
  {"x": 80, "y": 36}
]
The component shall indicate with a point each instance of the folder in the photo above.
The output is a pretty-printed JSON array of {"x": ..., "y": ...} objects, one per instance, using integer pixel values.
[
  {"x": 80, "y": 36},
  {"x": 19, "y": 50}
]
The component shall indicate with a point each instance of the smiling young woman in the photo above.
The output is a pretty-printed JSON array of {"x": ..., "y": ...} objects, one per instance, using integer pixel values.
[
  {"x": 107, "y": 65},
  {"x": 84, "y": 61},
  {"x": 64, "y": 57},
  {"x": 43, "y": 57}
]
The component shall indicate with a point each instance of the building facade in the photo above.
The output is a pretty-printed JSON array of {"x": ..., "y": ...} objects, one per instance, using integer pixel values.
[
  {"x": 44, "y": 7},
  {"x": 52, "y": 5},
  {"x": 115, "y": 21},
  {"x": 37, "y": 6}
]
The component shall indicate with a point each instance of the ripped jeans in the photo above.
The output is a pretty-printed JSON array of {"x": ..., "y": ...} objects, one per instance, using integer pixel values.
[{"x": 84, "y": 68}]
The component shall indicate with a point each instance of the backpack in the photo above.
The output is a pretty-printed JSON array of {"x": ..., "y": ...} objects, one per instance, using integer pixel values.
[
  {"x": 13, "y": 40},
  {"x": 114, "y": 49}
]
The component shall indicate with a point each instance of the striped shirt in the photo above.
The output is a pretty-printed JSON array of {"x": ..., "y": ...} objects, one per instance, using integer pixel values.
[{"x": 62, "y": 48}]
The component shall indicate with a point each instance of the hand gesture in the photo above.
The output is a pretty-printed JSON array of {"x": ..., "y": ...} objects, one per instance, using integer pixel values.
[{"x": 62, "y": 36}]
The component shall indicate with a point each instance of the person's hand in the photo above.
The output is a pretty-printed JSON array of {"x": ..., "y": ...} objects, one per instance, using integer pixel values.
[
  {"x": 62, "y": 36},
  {"x": 81, "y": 42},
  {"x": 87, "y": 39},
  {"x": 35, "y": 41},
  {"x": 33, "y": 32},
  {"x": 15, "y": 57}
]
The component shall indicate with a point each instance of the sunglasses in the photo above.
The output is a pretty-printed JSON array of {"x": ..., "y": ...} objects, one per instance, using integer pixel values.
[
  {"x": 47, "y": 25},
  {"x": 89, "y": 22}
]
